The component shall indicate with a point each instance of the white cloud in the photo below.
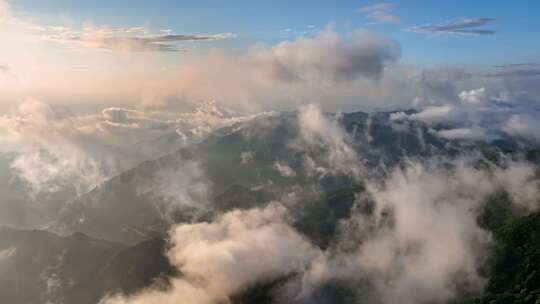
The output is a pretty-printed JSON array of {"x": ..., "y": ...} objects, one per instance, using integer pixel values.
[
  {"x": 284, "y": 169},
  {"x": 475, "y": 96},
  {"x": 478, "y": 114},
  {"x": 329, "y": 56},
  {"x": 220, "y": 258},
  {"x": 461, "y": 133},
  {"x": 435, "y": 114},
  {"x": 328, "y": 145},
  {"x": 523, "y": 126}
]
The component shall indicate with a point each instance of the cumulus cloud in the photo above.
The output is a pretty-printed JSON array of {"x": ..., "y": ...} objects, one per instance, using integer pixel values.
[
  {"x": 286, "y": 74},
  {"x": 221, "y": 258},
  {"x": 474, "y": 96},
  {"x": 482, "y": 113},
  {"x": 431, "y": 115},
  {"x": 461, "y": 27},
  {"x": 329, "y": 56},
  {"x": 461, "y": 133}
]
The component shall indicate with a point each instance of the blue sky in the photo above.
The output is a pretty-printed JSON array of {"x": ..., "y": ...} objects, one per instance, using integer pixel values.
[{"x": 516, "y": 25}]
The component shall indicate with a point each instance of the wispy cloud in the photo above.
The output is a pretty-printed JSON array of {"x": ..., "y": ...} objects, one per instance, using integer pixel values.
[
  {"x": 379, "y": 13},
  {"x": 521, "y": 69},
  {"x": 461, "y": 27},
  {"x": 133, "y": 39},
  {"x": 384, "y": 17},
  {"x": 517, "y": 65},
  {"x": 378, "y": 7}
]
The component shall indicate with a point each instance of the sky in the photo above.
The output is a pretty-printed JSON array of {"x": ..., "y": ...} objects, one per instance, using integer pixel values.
[
  {"x": 91, "y": 54},
  {"x": 269, "y": 22}
]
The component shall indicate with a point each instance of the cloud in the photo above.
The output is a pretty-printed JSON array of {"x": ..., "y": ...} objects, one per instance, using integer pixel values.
[
  {"x": 474, "y": 96},
  {"x": 221, "y": 258},
  {"x": 524, "y": 69},
  {"x": 482, "y": 113},
  {"x": 328, "y": 146},
  {"x": 383, "y": 17},
  {"x": 126, "y": 39},
  {"x": 441, "y": 85},
  {"x": 523, "y": 126},
  {"x": 55, "y": 149},
  {"x": 462, "y": 27},
  {"x": 422, "y": 243},
  {"x": 183, "y": 186},
  {"x": 329, "y": 56},
  {"x": 429, "y": 263},
  {"x": 461, "y": 133},
  {"x": 433, "y": 115},
  {"x": 379, "y": 13},
  {"x": 284, "y": 169},
  {"x": 48, "y": 157},
  {"x": 284, "y": 75},
  {"x": 378, "y": 7}
]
